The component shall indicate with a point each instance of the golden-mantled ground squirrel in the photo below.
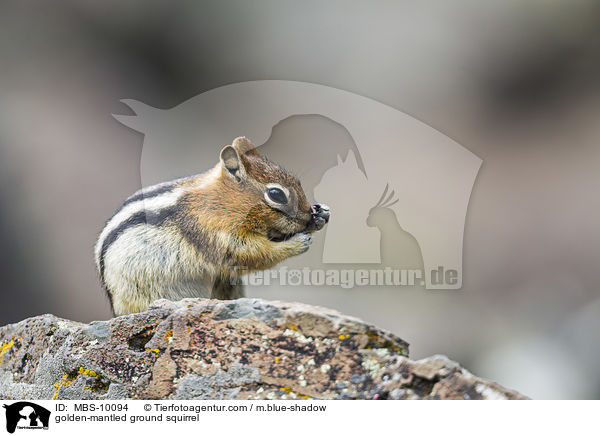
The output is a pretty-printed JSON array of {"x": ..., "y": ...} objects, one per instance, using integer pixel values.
[{"x": 193, "y": 237}]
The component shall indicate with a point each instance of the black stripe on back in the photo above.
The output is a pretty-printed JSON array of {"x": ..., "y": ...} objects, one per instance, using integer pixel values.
[
  {"x": 148, "y": 193},
  {"x": 144, "y": 217}
]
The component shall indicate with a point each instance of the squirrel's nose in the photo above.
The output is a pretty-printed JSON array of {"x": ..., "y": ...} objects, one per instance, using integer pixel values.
[{"x": 321, "y": 211}]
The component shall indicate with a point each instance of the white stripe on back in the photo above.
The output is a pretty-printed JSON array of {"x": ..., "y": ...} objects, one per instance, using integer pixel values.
[
  {"x": 152, "y": 204},
  {"x": 155, "y": 203}
]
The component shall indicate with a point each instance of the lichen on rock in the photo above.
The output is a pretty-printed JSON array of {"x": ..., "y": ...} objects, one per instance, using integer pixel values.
[{"x": 214, "y": 349}]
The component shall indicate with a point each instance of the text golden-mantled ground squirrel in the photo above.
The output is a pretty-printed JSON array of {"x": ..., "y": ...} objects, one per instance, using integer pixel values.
[{"x": 193, "y": 237}]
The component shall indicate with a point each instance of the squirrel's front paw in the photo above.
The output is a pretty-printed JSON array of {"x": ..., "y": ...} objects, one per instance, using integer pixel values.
[{"x": 301, "y": 242}]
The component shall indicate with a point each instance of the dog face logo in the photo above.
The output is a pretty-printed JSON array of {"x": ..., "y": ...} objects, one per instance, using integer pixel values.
[
  {"x": 347, "y": 150},
  {"x": 26, "y": 415}
]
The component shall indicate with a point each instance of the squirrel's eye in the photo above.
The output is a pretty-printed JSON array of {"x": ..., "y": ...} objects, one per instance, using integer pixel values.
[{"x": 277, "y": 195}]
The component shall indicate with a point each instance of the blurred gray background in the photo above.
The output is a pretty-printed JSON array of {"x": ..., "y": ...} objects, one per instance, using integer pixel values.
[{"x": 515, "y": 82}]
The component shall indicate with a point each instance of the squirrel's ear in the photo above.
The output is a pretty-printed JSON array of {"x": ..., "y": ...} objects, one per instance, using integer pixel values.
[
  {"x": 244, "y": 146},
  {"x": 230, "y": 159}
]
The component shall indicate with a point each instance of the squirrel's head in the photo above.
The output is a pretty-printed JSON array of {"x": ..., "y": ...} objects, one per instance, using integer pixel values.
[{"x": 266, "y": 198}]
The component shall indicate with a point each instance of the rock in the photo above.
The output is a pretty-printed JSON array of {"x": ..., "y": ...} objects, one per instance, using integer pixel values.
[{"x": 212, "y": 349}]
